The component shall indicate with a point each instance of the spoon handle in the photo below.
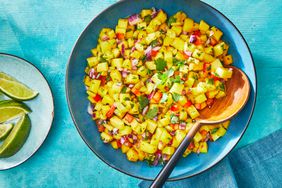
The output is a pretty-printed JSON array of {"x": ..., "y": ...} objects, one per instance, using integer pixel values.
[{"x": 169, "y": 166}]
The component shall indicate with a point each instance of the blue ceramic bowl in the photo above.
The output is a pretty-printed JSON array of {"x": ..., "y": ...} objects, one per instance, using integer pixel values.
[{"x": 77, "y": 98}]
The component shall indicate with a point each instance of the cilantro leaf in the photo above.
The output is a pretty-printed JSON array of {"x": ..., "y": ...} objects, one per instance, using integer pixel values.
[
  {"x": 154, "y": 43},
  {"x": 143, "y": 102},
  {"x": 171, "y": 20},
  {"x": 176, "y": 96},
  {"x": 102, "y": 59},
  {"x": 177, "y": 79},
  {"x": 221, "y": 87},
  {"x": 147, "y": 19},
  {"x": 123, "y": 90},
  {"x": 210, "y": 81},
  {"x": 214, "y": 130},
  {"x": 177, "y": 62},
  {"x": 152, "y": 113},
  {"x": 160, "y": 64}
]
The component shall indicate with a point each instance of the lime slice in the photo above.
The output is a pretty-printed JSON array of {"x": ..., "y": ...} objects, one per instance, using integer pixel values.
[
  {"x": 5, "y": 130},
  {"x": 16, "y": 90},
  {"x": 6, "y": 76},
  {"x": 11, "y": 109},
  {"x": 16, "y": 139}
]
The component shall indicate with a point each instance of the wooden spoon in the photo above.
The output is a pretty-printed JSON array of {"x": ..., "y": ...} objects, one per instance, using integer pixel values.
[{"x": 237, "y": 94}]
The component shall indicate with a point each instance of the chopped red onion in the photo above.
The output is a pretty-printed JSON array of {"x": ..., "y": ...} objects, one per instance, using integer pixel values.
[
  {"x": 105, "y": 37},
  {"x": 211, "y": 33},
  {"x": 193, "y": 38},
  {"x": 122, "y": 140},
  {"x": 188, "y": 53},
  {"x": 122, "y": 49},
  {"x": 155, "y": 118},
  {"x": 98, "y": 75},
  {"x": 149, "y": 48},
  {"x": 92, "y": 73},
  {"x": 154, "y": 12},
  {"x": 165, "y": 157},
  {"x": 134, "y": 62},
  {"x": 115, "y": 131},
  {"x": 150, "y": 96},
  {"x": 157, "y": 158},
  {"x": 130, "y": 85},
  {"x": 90, "y": 109},
  {"x": 184, "y": 32},
  {"x": 133, "y": 49},
  {"x": 124, "y": 74},
  {"x": 182, "y": 126},
  {"x": 172, "y": 133},
  {"x": 134, "y": 19},
  {"x": 134, "y": 137},
  {"x": 145, "y": 110},
  {"x": 157, "y": 48}
]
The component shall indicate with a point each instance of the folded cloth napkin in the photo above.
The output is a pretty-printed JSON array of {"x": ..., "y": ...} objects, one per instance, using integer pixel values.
[{"x": 255, "y": 165}]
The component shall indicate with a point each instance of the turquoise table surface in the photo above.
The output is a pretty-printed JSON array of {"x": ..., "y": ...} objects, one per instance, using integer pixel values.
[{"x": 44, "y": 32}]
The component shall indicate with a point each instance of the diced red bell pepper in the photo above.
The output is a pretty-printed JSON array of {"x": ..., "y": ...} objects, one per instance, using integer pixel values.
[
  {"x": 188, "y": 103},
  {"x": 174, "y": 108},
  {"x": 135, "y": 91},
  {"x": 154, "y": 53},
  {"x": 204, "y": 133},
  {"x": 101, "y": 128},
  {"x": 191, "y": 146},
  {"x": 198, "y": 41},
  {"x": 157, "y": 97},
  {"x": 197, "y": 33},
  {"x": 118, "y": 144},
  {"x": 111, "y": 111},
  {"x": 120, "y": 36},
  {"x": 129, "y": 118},
  {"x": 97, "y": 98},
  {"x": 215, "y": 78},
  {"x": 103, "y": 80}
]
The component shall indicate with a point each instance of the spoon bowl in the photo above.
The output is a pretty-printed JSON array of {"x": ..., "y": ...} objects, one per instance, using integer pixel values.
[{"x": 237, "y": 95}]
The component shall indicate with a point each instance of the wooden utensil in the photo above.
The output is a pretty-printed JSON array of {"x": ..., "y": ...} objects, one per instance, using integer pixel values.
[{"x": 237, "y": 94}]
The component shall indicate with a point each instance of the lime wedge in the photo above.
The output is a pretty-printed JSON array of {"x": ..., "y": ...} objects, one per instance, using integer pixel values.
[
  {"x": 16, "y": 90},
  {"x": 6, "y": 76},
  {"x": 11, "y": 109},
  {"x": 5, "y": 130},
  {"x": 16, "y": 139}
]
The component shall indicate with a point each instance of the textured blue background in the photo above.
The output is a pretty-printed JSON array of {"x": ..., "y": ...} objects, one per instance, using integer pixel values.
[{"x": 44, "y": 33}]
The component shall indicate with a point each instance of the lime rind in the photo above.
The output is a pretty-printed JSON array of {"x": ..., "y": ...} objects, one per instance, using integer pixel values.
[
  {"x": 16, "y": 90},
  {"x": 15, "y": 104},
  {"x": 17, "y": 137},
  {"x": 5, "y": 129}
]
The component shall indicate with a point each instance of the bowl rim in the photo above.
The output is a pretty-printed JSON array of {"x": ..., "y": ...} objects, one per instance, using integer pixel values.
[
  {"x": 53, "y": 110},
  {"x": 124, "y": 171}
]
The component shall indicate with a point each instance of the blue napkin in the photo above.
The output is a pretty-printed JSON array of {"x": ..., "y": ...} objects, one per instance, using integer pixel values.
[{"x": 256, "y": 165}]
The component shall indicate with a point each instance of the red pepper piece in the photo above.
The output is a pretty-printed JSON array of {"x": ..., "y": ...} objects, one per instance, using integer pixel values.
[
  {"x": 97, "y": 98},
  {"x": 111, "y": 111}
]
